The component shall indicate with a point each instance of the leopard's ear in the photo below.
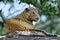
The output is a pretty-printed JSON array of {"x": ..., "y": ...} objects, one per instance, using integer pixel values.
[{"x": 27, "y": 9}]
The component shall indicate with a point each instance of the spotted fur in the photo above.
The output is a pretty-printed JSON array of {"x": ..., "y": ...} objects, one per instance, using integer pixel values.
[{"x": 22, "y": 21}]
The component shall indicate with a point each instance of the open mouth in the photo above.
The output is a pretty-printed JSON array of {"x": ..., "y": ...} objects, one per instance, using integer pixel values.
[{"x": 35, "y": 20}]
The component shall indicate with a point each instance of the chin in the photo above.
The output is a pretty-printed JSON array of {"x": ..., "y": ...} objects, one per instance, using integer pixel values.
[{"x": 34, "y": 22}]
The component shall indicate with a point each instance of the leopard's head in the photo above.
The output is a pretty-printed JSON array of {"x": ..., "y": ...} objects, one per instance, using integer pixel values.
[{"x": 31, "y": 14}]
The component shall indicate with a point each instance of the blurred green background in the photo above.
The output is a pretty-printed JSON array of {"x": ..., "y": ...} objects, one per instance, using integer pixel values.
[{"x": 49, "y": 11}]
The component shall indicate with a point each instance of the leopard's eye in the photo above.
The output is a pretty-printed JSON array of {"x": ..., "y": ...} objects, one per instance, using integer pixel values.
[{"x": 33, "y": 13}]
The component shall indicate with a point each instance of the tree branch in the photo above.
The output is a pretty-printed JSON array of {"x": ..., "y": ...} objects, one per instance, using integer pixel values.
[{"x": 57, "y": 20}]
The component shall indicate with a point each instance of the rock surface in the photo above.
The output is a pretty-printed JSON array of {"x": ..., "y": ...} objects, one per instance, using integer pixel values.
[{"x": 19, "y": 36}]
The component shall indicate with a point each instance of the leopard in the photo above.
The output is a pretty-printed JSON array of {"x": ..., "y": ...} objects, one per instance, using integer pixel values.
[{"x": 23, "y": 22}]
